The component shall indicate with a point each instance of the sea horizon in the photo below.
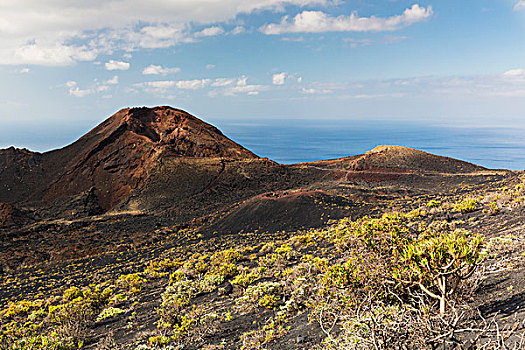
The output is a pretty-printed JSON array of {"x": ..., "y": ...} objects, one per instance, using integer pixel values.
[{"x": 290, "y": 141}]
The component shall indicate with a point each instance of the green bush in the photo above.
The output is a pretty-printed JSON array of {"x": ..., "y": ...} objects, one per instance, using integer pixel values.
[
  {"x": 466, "y": 205},
  {"x": 109, "y": 313},
  {"x": 438, "y": 262},
  {"x": 264, "y": 294}
]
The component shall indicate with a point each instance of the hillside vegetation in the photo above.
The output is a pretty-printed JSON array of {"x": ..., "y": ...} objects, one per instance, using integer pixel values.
[{"x": 445, "y": 273}]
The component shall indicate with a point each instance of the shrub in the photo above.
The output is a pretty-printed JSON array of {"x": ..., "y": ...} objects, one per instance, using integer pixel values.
[
  {"x": 434, "y": 204},
  {"x": 133, "y": 282},
  {"x": 244, "y": 279},
  {"x": 21, "y": 308},
  {"x": 72, "y": 293},
  {"x": 437, "y": 263},
  {"x": 159, "y": 340},
  {"x": 174, "y": 299},
  {"x": 210, "y": 282},
  {"x": 109, "y": 313},
  {"x": 264, "y": 294},
  {"x": 466, "y": 205}
]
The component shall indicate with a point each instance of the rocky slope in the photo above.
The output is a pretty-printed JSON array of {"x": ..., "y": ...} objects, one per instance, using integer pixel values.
[{"x": 114, "y": 158}]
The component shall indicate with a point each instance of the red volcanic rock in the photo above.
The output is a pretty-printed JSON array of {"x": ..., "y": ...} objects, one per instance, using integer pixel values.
[
  {"x": 118, "y": 155},
  {"x": 114, "y": 158}
]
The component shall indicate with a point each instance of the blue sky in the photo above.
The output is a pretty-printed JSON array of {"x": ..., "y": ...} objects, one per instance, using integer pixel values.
[{"x": 66, "y": 65}]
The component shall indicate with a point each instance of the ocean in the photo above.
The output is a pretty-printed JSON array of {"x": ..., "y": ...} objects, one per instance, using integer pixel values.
[{"x": 291, "y": 141}]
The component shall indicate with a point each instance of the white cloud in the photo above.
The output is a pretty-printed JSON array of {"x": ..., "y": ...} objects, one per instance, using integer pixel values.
[
  {"x": 278, "y": 79},
  {"x": 77, "y": 92},
  {"x": 247, "y": 89},
  {"x": 293, "y": 39},
  {"x": 238, "y": 30},
  {"x": 318, "y": 22},
  {"x": 193, "y": 84},
  {"x": 392, "y": 39},
  {"x": 514, "y": 73},
  {"x": 159, "y": 70},
  {"x": 153, "y": 36},
  {"x": 234, "y": 87},
  {"x": 210, "y": 31},
  {"x": 223, "y": 82},
  {"x": 163, "y": 84},
  {"x": 38, "y": 52},
  {"x": 520, "y": 5},
  {"x": 97, "y": 87},
  {"x": 354, "y": 43},
  {"x": 460, "y": 88},
  {"x": 312, "y": 91},
  {"x": 117, "y": 65},
  {"x": 62, "y": 32},
  {"x": 112, "y": 81},
  {"x": 219, "y": 86}
]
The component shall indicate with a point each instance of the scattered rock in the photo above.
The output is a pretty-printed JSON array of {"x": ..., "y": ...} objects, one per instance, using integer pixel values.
[
  {"x": 11, "y": 215},
  {"x": 226, "y": 289}
]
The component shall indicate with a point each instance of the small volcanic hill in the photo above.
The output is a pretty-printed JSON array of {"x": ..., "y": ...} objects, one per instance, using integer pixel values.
[
  {"x": 401, "y": 159},
  {"x": 397, "y": 157}
]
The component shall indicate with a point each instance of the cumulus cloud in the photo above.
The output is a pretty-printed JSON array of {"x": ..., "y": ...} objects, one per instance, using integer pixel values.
[
  {"x": 159, "y": 70},
  {"x": 238, "y": 30},
  {"x": 40, "y": 52},
  {"x": 519, "y": 6},
  {"x": 154, "y": 36},
  {"x": 278, "y": 79},
  {"x": 62, "y": 32},
  {"x": 233, "y": 87},
  {"x": 210, "y": 31},
  {"x": 117, "y": 65},
  {"x": 318, "y": 22},
  {"x": 76, "y": 91},
  {"x": 223, "y": 82},
  {"x": 193, "y": 84},
  {"x": 218, "y": 86},
  {"x": 164, "y": 85},
  {"x": 112, "y": 81}
]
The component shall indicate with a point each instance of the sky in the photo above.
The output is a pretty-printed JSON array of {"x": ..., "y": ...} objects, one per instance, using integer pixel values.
[{"x": 66, "y": 65}]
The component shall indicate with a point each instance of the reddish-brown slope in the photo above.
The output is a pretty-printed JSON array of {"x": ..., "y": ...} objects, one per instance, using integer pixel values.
[
  {"x": 113, "y": 158},
  {"x": 20, "y": 171},
  {"x": 118, "y": 155},
  {"x": 399, "y": 159}
]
